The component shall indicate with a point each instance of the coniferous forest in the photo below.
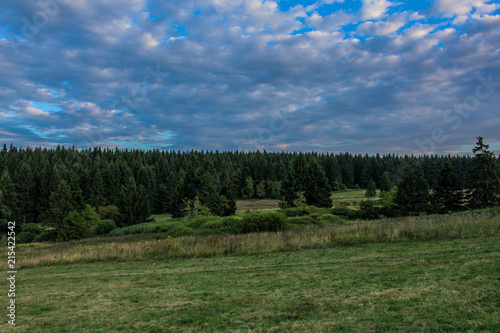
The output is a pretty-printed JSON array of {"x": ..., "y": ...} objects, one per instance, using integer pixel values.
[{"x": 40, "y": 185}]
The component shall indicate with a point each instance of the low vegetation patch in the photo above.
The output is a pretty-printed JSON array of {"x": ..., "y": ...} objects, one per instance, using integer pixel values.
[{"x": 185, "y": 241}]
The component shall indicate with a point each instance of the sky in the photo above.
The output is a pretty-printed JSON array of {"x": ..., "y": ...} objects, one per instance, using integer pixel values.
[{"x": 370, "y": 76}]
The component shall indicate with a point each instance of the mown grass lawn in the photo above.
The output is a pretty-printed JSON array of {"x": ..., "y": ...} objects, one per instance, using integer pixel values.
[{"x": 426, "y": 286}]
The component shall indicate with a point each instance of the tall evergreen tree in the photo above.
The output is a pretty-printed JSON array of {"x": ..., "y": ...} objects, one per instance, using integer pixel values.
[
  {"x": 484, "y": 177},
  {"x": 412, "y": 196},
  {"x": 133, "y": 205},
  {"x": 371, "y": 190},
  {"x": 317, "y": 189},
  {"x": 60, "y": 204},
  {"x": 25, "y": 188},
  {"x": 448, "y": 195},
  {"x": 308, "y": 178},
  {"x": 9, "y": 194},
  {"x": 386, "y": 182}
]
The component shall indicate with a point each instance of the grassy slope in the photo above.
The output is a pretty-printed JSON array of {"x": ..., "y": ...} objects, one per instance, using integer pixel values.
[{"x": 445, "y": 285}]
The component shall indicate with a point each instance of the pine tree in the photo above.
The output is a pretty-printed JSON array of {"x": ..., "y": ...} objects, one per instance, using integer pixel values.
[
  {"x": 412, "y": 196},
  {"x": 133, "y": 205},
  {"x": 317, "y": 188},
  {"x": 371, "y": 190},
  {"x": 60, "y": 204},
  {"x": 484, "y": 178},
  {"x": 25, "y": 188},
  {"x": 386, "y": 184},
  {"x": 249, "y": 187},
  {"x": 9, "y": 194},
  {"x": 448, "y": 195}
]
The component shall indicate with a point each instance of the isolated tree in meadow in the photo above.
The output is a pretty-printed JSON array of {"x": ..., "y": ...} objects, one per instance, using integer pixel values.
[
  {"x": 448, "y": 195},
  {"x": 133, "y": 205},
  {"x": 371, "y": 190},
  {"x": 386, "y": 183},
  {"x": 484, "y": 178},
  {"x": 412, "y": 196}
]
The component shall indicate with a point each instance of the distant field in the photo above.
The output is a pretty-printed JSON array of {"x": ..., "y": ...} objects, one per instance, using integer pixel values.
[
  {"x": 252, "y": 205},
  {"x": 338, "y": 198},
  {"x": 349, "y": 196},
  {"x": 408, "y": 287}
]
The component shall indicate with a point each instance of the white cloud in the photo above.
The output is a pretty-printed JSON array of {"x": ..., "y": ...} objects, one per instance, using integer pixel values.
[
  {"x": 374, "y": 9},
  {"x": 452, "y": 8}
]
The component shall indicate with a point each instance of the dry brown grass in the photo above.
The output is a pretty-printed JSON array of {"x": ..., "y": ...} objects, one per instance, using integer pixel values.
[{"x": 458, "y": 226}]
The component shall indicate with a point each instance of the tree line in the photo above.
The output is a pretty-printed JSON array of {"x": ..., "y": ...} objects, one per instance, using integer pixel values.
[{"x": 41, "y": 185}]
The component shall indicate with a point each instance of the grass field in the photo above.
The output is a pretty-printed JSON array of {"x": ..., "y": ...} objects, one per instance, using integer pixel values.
[
  {"x": 253, "y": 205},
  {"x": 426, "y": 286},
  {"x": 338, "y": 198}
]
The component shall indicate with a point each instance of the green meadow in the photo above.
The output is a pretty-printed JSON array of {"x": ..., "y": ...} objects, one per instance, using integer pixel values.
[
  {"x": 413, "y": 274},
  {"x": 420, "y": 286}
]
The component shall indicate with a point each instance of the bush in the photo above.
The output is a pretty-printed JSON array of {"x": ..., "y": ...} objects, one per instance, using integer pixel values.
[
  {"x": 108, "y": 212},
  {"x": 329, "y": 219},
  {"x": 261, "y": 222},
  {"x": 199, "y": 221},
  {"x": 181, "y": 230},
  {"x": 73, "y": 227},
  {"x": 301, "y": 220},
  {"x": 116, "y": 232},
  {"x": 105, "y": 227},
  {"x": 32, "y": 227},
  {"x": 297, "y": 211},
  {"x": 90, "y": 216},
  {"x": 46, "y": 236},
  {"x": 25, "y": 237}
]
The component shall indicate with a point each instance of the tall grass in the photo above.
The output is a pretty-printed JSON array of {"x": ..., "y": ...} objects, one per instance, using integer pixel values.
[{"x": 424, "y": 228}]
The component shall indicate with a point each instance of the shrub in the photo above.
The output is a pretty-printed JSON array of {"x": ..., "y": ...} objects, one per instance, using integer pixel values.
[
  {"x": 261, "y": 222},
  {"x": 46, "y": 236},
  {"x": 32, "y": 227},
  {"x": 105, "y": 227},
  {"x": 301, "y": 220},
  {"x": 108, "y": 212},
  {"x": 90, "y": 216},
  {"x": 199, "y": 221},
  {"x": 25, "y": 237},
  {"x": 116, "y": 232},
  {"x": 181, "y": 230},
  {"x": 329, "y": 219},
  {"x": 297, "y": 211},
  {"x": 73, "y": 226}
]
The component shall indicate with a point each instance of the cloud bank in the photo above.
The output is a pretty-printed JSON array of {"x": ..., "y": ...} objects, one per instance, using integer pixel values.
[{"x": 364, "y": 77}]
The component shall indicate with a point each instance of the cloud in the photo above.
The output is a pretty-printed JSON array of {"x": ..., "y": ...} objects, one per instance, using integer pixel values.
[
  {"x": 460, "y": 8},
  {"x": 374, "y": 9},
  {"x": 226, "y": 75}
]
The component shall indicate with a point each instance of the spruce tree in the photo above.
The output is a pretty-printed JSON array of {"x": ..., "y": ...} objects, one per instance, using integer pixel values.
[
  {"x": 371, "y": 190},
  {"x": 317, "y": 188},
  {"x": 133, "y": 205},
  {"x": 60, "y": 204},
  {"x": 386, "y": 184},
  {"x": 412, "y": 196},
  {"x": 484, "y": 178},
  {"x": 448, "y": 195},
  {"x": 8, "y": 190},
  {"x": 249, "y": 187}
]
